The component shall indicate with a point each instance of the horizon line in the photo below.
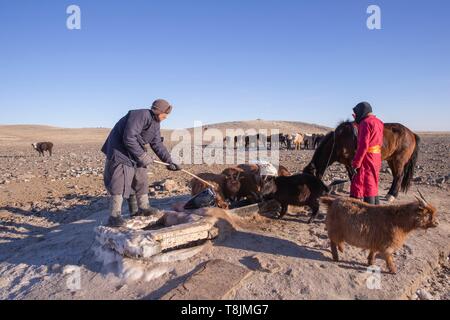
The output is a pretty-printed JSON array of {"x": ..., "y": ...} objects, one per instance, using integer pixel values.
[{"x": 209, "y": 124}]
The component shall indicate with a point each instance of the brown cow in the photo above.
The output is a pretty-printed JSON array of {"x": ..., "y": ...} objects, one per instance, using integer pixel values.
[
  {"x": 40, "y": 147},
  {"x": 225, "y": 187},
  {"x": 251, "y": 180},
  {"x": 283, "y": 171}
]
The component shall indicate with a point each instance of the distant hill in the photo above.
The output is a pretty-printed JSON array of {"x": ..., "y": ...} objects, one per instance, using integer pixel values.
[
  {"x": 285, "y": 127},
  {"x": 27, "y": 134}
]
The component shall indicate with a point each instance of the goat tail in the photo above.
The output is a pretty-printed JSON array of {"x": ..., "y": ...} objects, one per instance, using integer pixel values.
[{"x": 410, "y": 166}]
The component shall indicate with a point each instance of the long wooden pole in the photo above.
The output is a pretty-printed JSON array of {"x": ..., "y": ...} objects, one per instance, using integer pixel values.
[{"x": 189, "y": 173}]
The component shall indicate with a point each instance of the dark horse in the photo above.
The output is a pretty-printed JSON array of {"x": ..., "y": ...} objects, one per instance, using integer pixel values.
[{"x": 400, "y": 149}]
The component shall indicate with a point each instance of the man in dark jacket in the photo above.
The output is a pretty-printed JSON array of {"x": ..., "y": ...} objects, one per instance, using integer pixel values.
[{"x": 126, "y": 165}]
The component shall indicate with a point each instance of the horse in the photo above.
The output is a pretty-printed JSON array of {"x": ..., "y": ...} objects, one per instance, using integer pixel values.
[
  {"x": 308, "y": 141},
  {"x": 298, "y": 141},
  {"x": 400, "y": 149},
  {"x": 317, "y": 139}
]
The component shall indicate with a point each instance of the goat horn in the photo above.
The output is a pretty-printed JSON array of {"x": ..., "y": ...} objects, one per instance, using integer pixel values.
[
  {"x": 422, "y": 202},
  {"x": 421, "y": 195}
]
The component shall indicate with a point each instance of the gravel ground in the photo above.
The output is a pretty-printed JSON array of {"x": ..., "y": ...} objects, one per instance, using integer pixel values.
[{"x": 38, "y": 194}]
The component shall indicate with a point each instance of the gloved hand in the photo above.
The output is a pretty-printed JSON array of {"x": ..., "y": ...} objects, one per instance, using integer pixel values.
[
  {"x": 174, "y": 167},
  {"x": 145, "y": 160}
]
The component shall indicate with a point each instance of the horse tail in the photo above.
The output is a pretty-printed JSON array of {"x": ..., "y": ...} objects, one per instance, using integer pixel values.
[{"x": 410, "y": 166}]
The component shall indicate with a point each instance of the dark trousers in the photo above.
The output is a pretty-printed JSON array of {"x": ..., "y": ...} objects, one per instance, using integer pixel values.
[{"x": 124, "y": 180}]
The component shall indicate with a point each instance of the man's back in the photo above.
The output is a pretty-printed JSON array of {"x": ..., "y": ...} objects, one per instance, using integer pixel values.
[
  {"x": 375, "y": 129},
  {"x": 114, "y": 146}
]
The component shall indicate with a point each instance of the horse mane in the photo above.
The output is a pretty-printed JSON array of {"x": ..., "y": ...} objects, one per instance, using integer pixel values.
[
  {"x": 344, "y": 123},
  {"x": 328, "y": 137},
  {"x": 321, "y": 146}
]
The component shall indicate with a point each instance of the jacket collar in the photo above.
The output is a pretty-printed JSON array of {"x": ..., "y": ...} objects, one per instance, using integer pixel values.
[{"x": 154, "y": 117}]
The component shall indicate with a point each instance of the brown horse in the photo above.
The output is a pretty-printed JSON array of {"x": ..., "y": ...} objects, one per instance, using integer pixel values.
[{"x": 400, "y": 149}]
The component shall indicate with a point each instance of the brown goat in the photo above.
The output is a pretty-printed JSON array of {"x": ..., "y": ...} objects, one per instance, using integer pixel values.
[
  {"x": 380, "y": 229},
  {"x": 225, "y": 187}
]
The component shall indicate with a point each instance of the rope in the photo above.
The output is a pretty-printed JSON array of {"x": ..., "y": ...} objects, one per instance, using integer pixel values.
[{"x": 331, "y": 153}]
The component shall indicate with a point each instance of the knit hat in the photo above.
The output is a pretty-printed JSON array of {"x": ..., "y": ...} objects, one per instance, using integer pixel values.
[
  {"x": 161, "y": 106},
  {"x": 361, "y": 111}
]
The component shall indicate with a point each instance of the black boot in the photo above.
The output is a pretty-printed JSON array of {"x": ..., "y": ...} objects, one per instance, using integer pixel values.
[
  {"x": 377, "y": 200},
  {"x": 115, "y": 210},
  {"x": 370, "y": 200},
  {"x": 144, "y": 206},
  {"x": 116, "y": 222},
  {"x": 133, "y": 205}
]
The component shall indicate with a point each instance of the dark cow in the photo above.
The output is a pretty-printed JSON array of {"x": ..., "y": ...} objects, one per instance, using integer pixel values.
[{"x": 43, "y": 146}]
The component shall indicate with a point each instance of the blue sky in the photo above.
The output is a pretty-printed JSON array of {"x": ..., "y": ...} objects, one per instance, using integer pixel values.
[{"x": 224, "y": 60}]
